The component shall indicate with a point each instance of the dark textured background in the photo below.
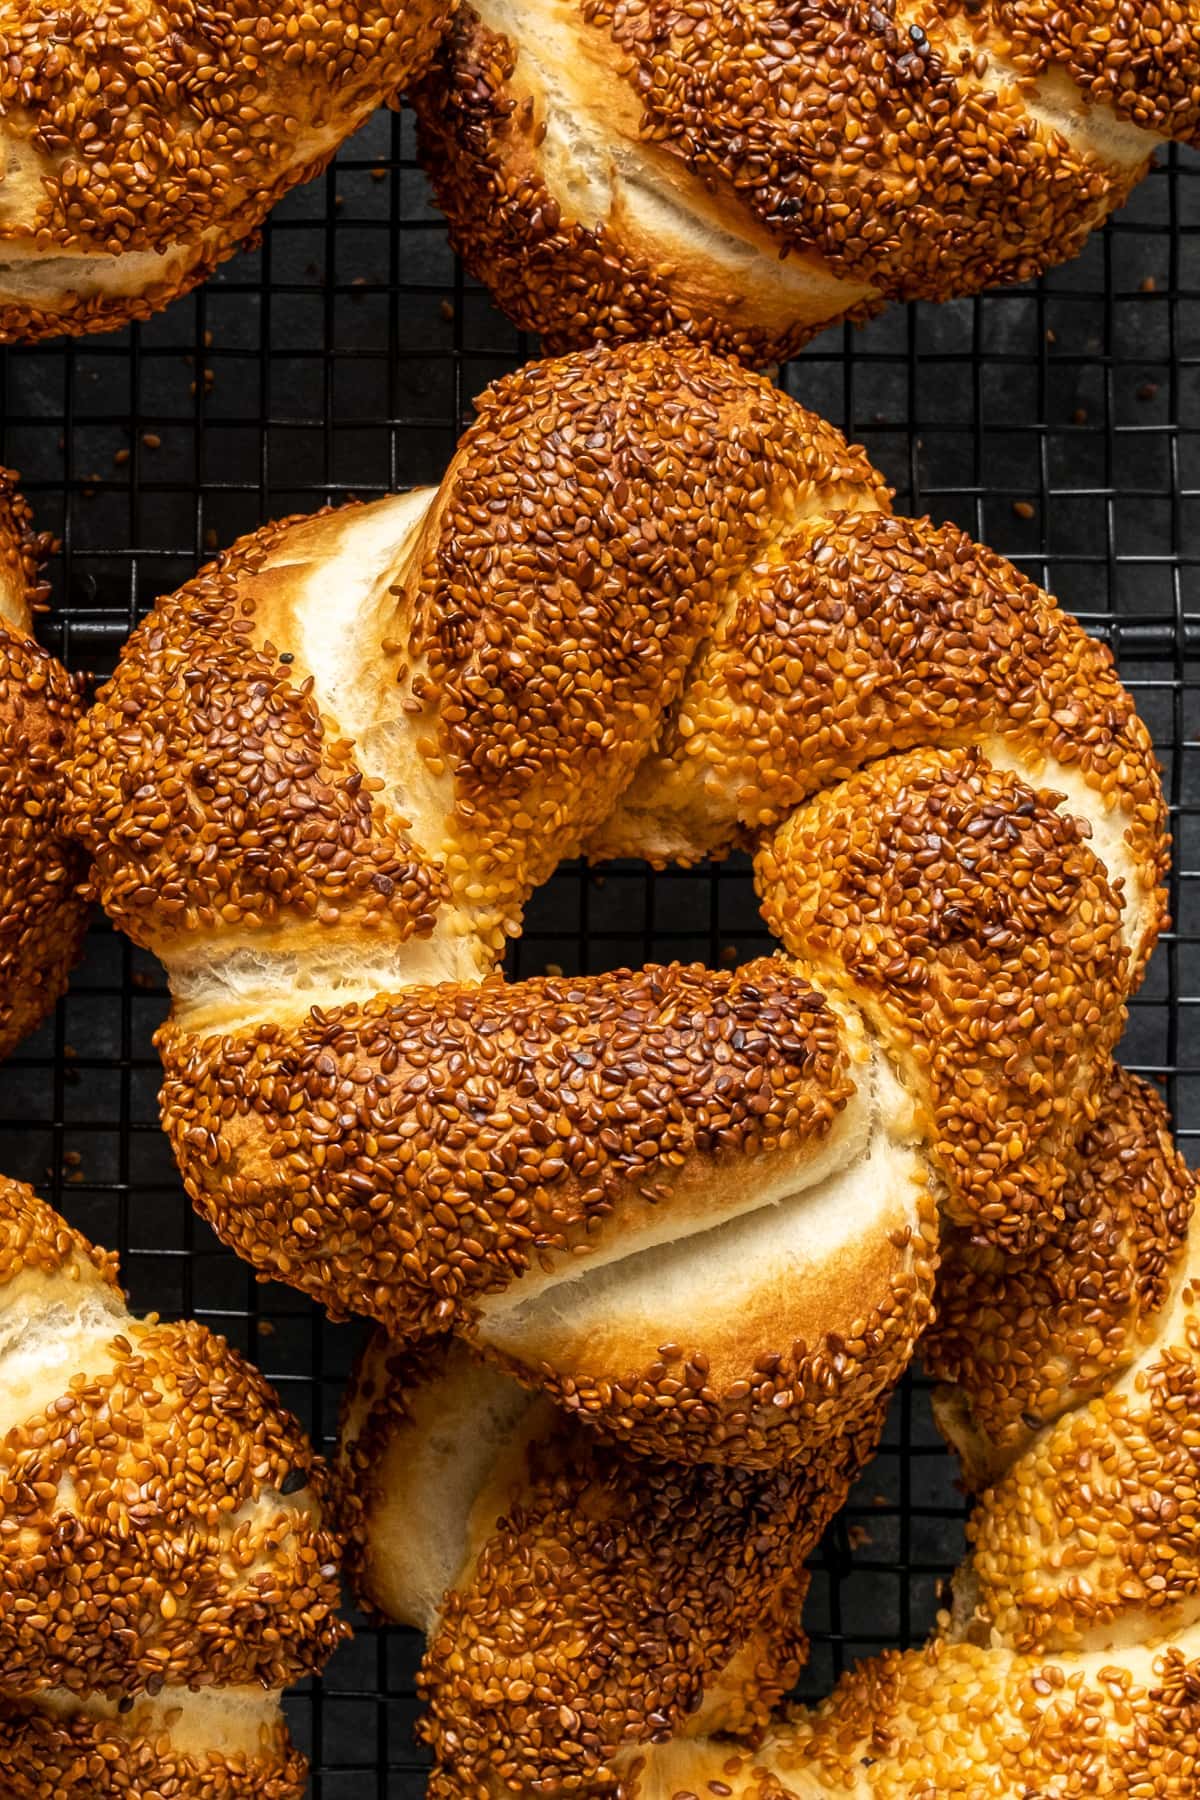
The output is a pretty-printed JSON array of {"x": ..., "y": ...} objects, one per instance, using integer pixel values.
[{"x": 344, "y": 355}]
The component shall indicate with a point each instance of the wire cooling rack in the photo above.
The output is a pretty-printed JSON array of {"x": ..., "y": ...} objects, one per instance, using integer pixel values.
[{"x": 1061, "y": 423}]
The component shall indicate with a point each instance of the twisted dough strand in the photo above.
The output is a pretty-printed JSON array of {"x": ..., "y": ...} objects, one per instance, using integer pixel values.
[
  {"x": 751, "y": 173},
  {"x": 164, "y": 1570},
  {"x": 1071, "y": 1662}
]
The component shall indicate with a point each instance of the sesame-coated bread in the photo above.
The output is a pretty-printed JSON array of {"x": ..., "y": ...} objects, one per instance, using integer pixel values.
[
  {"x": 750, "y": 173},
  {"x": 698, "y": 1208},
  {"x": 42, "y": 916},
  {"x": 578, "y": 1599},
  {"x": 164, "y": 1571},
  {"x": 142, "y": 145},
  {"x": 1070, "y": 1662}
]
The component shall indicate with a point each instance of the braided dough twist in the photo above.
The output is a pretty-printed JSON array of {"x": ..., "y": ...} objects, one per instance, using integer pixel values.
[
  {"x": 751, "y": 173},
  {"x": 654, "y": 608}
]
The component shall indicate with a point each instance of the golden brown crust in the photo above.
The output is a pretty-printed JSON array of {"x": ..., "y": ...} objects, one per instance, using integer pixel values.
[
  {"x": 1142, "y": 60},
  {"x": 783, "y": 1366},
  {"x": 599, "y": 1600},
  {"x": 863, "y": 636},
  {"x": 544, "y": 671},
  {"x": 55, "y": 1757},
  {"x": 1026, "y": 1338},
  {"x": 404, "y": 1157},
  {"x": 1071, "y": 1664},
  {"x": 610, "y": 168},
  {"x": 956, "y": 1722},
  {"x": 968, "y": 918},
  {"x": 237, "y": 810},
  {"x": 164, "y": 135},
  {"x": 570, "y": 282},
  {"x": 42, "y": 917},
  {"x": 148, "y": 1539}
]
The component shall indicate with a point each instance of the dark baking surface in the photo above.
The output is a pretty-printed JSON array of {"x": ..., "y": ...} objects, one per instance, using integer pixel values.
[{"x": 1061, "y": 424}]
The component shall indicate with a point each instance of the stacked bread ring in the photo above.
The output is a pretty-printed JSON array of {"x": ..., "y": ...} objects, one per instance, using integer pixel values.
[
  {"x": 164, "y": 1568},
  {"x": 164, "y": 1571},
  {"x": 654, "y": 608}
]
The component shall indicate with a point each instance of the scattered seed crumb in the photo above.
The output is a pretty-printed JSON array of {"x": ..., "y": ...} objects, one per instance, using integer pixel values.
[
  {"x": 72, "y": 1158},
  {"x": 1024, "y": 509},
  {"x": 729, "y": 955},
  {"x": 446, "y": 308},
  {"x": 208, "y": 338},
  {"x": 339, "y": 200},
  {"x": 858, "y": 1537},
  {"x": 266, "y": 1328},
  {"x": 142, "y": 978},
  {"x": 554, "y": 968},
  {"x": 70, "y": 1050},
  {"x": 211, "y": 540},
  {"x": 1149, "y": 285},
  {"x": 1147, "y": 390},
  {"x": 152, "y": 440},
  {"x": 1079, "y": 416},
  {"x": 379, "y": 174},
  {"x": 1051, "y": 335},
  {"x": 120, "y": 457}
]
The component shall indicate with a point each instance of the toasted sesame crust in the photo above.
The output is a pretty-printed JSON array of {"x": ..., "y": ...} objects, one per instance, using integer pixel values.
[
  {"x": 610, "y": 168},
  {"x": 599, "y": 1600},
  {"x": 977, "y": 930},
  {"x": 241, "y": 811},
  {"x": 1022, "y": 1339},
  {"x": 61, "y": 1755},
  {"x": 143, "y": 147},
  {"x": 511, "y": 1125},
  {"x": 41, "y": 915},
  {"x": 1071, "y": 1663},
  {"x": 161, "y": 1535},
  {"x": 864, "y": 636}
]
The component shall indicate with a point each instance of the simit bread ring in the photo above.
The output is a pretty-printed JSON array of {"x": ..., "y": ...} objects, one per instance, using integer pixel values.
[
  {"x": 752, "y": 173},
  {"x": 42, "y": 917},
  {"x": 141, "y": 146},
  {"x": 163, "y": 1567},
  {"x": 580, "y": 1602},
  {"x": 654, "y": 608}
]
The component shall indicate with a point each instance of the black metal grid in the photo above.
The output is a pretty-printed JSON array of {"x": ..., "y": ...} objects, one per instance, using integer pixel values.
[{"x": 1061, "y": 423}]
